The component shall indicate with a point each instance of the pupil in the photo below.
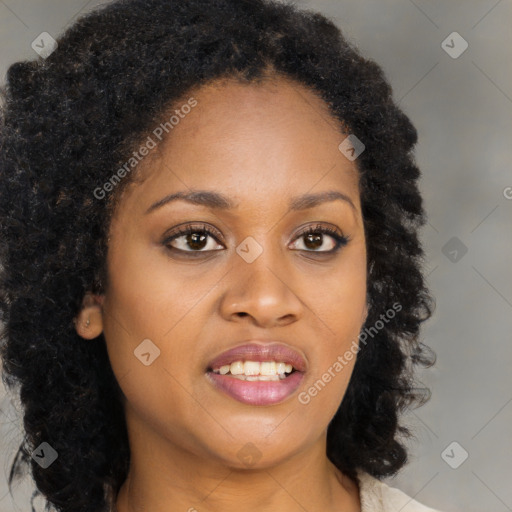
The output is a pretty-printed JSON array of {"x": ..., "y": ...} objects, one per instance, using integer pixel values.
[
  {"x": 194, "y": 239},
  {"x": 317, "y": 239}
]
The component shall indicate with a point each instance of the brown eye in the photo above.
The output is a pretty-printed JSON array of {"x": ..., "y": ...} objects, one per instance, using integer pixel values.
[
  {"x": 192, "y": 239},
  {"x": 314, "y": 238}
]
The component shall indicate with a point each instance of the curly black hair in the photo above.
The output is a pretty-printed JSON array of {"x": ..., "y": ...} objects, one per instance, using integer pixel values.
[{"x": 70, "y": 120}]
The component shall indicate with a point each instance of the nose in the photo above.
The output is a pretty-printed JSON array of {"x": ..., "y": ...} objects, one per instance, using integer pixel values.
[{"x": 262, "y": 292}]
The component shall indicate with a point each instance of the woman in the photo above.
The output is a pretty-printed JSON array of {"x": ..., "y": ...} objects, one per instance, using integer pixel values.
[{"x": 212, "y": 281}]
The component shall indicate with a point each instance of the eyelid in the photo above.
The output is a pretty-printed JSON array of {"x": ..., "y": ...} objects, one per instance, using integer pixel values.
[{"x": 186, "y": 226}]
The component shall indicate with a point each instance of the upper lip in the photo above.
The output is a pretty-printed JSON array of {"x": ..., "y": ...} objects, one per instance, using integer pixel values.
[{"x": 260, "y": 351}]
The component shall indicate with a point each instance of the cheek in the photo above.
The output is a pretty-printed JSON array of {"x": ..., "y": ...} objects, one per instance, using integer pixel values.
[
  {"x": 340, "y": 308},
  {"x": 147, "y": 297},
  {"x": 324, "y": 392},
  {"x": 329, "y": 377},
  {"x": 340, "y": 301},
  {"x": 159, "y": 400},
  {"x": 151, "y": 312}
]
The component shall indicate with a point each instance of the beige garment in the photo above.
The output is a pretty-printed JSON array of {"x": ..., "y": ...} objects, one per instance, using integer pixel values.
[{"x": 376, "y": 496}]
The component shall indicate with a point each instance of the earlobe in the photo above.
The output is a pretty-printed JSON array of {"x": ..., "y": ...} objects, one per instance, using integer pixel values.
[{"x": 89, "y": 322}]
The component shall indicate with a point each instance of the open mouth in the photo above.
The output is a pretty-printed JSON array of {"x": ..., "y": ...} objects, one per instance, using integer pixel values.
[{"x": 258, "y": 373}]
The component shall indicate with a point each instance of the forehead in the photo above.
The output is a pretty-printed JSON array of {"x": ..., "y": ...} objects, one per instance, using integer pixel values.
[
  {"x": 273, "y": 103},
  {"x": 242, "y": 138}
]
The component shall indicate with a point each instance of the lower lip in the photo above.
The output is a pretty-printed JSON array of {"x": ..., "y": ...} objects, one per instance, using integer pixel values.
[{"x": 257, "y": 392}]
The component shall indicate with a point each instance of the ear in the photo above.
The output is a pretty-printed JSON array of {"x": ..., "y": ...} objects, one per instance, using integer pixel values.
[{"x": 89, "y": 322}]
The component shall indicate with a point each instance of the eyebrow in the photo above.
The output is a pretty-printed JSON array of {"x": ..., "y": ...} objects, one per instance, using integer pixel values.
[{"x": 218, "y": 201}]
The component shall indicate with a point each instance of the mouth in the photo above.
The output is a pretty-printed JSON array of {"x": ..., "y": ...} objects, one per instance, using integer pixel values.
[{"x": 256, "y": 373}]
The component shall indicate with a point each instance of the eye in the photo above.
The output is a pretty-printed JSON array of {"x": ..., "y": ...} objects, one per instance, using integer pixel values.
[
  {"x": 197, "y": 238},
  {"x": 202, "y": 238},
  {"x": 313, "y": 238}
]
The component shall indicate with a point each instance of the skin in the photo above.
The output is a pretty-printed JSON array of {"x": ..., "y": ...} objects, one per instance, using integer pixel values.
[{"x": 260, "y": 145}]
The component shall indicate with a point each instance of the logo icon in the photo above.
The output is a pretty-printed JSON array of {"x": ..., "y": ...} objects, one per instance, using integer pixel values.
[
  {"x": 454, "y": 45},
  {"x": 351, "y": 147},
  {"x": 249, "y": 249},
  {"x": 454, "y": 455},
  {"x": 249, "y": 454},
  {"x": 44, "y": 44},
  {"x": 454, "y": 249},
  {"x": 146, "y": 352},
  {"x": 44, "y": 455}
]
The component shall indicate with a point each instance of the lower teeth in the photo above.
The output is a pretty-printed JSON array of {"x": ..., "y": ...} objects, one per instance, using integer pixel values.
[{"x": 262, "y": 378}]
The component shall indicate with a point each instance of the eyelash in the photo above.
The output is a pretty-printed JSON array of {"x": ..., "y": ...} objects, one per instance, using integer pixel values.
[{"x": 341, "y": 240}]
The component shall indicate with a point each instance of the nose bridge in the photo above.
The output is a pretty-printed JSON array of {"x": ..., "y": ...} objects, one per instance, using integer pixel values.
[
  {"x": 259, "y": 262},
  {"x": 260, "y": 284}
]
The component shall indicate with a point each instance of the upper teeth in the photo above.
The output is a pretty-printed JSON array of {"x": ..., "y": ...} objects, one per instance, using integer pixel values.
[{"x": 255, "y": 368}]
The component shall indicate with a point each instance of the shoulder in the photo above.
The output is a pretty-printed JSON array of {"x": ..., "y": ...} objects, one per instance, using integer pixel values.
[{"x": 376, "y": 496}]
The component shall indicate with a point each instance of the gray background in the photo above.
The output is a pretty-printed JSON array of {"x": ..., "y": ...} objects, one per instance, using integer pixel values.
[{"x": 462, "y": 108}]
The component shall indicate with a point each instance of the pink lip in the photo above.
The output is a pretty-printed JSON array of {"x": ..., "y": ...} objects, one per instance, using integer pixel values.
[
  {"x": 257, "y": 351},
  {"x": 254, "y": 392}
]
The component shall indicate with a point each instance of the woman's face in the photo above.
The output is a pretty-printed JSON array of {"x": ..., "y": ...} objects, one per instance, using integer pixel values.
[{"x": 174, "y": 304}]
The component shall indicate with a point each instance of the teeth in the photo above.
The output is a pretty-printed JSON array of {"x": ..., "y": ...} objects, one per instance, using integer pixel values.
[
  {"x": 259, "y": 377},
  {"x": 267, "y": 368},
  {"x": 254, "y": 370},
  {"x": 251, "y": 368},
  {"x": 236, "y": 368}
]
